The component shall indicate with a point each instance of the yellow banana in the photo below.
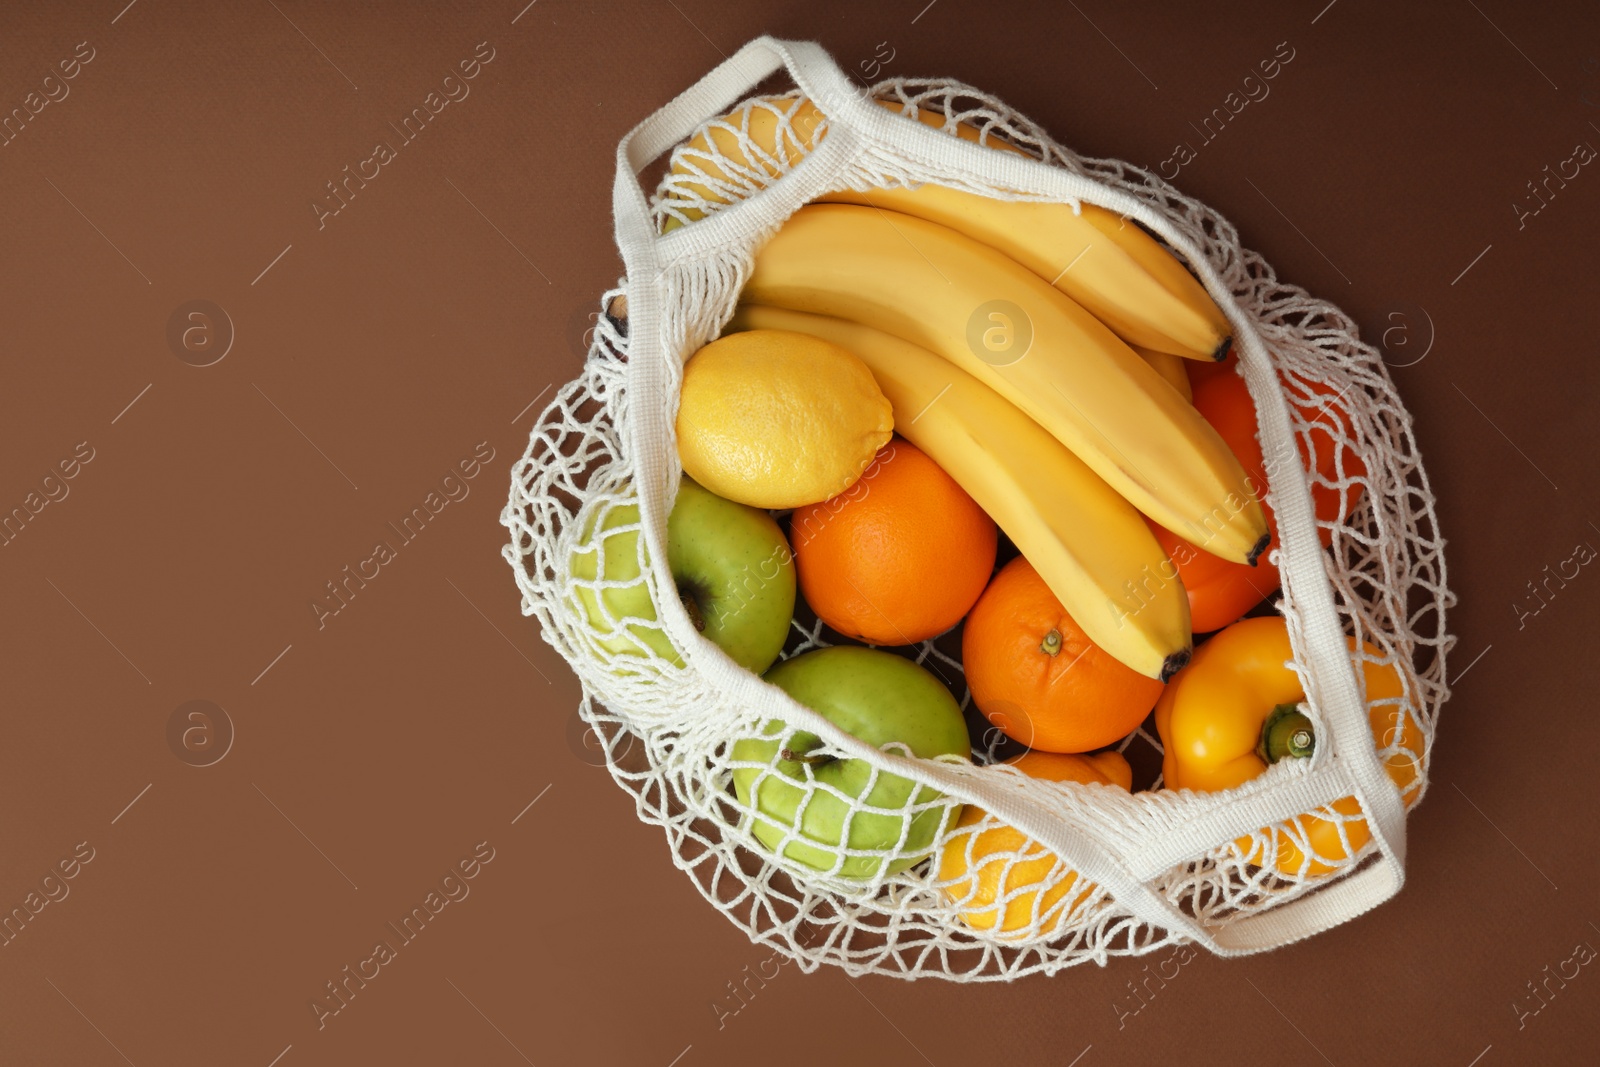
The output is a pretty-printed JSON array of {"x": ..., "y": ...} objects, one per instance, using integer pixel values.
[
  {"x": 1088, "y": 543},
  {"x": 1098, "y": 258},
  {"x": 1118, "y": 272},
  {"x": 697, "y": 172},
  {"x": 1033, "y": 345},
  {"x": 1169, "y": 367}
]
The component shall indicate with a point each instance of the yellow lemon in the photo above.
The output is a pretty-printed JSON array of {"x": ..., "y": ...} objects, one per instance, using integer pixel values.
[
  {"x": 1018, "y": 880},
  {"x": 776, "y": 419}
]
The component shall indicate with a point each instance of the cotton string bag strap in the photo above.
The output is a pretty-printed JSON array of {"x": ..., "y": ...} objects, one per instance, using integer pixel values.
[{"x": 1126, "y": 868}]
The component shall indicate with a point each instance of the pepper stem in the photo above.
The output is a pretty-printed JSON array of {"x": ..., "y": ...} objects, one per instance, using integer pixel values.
[
  {"x": 1051, "y": 645},
  {"x": 1286, "y": 732}
]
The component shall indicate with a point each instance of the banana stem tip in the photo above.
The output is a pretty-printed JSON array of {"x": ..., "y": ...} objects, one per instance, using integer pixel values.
[
  {"x": 1261, "y": 546},
  {"x": 1175, "y": 663}
]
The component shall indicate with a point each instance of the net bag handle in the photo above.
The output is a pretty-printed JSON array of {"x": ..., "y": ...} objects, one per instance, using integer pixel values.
[{"x": 1126, "y": 870}]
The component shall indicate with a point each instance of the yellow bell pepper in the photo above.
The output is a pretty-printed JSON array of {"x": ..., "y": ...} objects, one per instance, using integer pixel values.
[{"x": 1235, "y": 709}]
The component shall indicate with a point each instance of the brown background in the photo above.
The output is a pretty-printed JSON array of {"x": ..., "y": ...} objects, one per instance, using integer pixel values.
[{"x": 427, "y": 715}]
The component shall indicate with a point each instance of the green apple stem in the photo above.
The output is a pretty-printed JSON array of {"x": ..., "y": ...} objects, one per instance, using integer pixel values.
[
  {"x": 815, "y": 761},
  {"x": 803, "y": 755},
  {"x": 692, "y": 606}
]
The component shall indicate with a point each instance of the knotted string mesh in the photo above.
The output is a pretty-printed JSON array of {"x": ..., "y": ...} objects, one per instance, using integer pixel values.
[{"x": 669, "y": 734}]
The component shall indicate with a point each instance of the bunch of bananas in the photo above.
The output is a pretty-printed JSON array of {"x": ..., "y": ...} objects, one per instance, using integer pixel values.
[{"x": 1032, "y": 350}]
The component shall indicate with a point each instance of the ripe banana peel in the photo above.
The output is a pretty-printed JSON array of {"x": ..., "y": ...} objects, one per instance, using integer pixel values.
[
  {"x": 697, "y": 169},
  {"x": 1097, "y": 257},
  {"x": 1087, "y": 542},
  {"x": 1169, "y": 367},
  {"x": 1037, "y": 348}
]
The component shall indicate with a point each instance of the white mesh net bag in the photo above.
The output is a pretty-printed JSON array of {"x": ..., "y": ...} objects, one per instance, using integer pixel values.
[{"x": 1153, "y": 868}]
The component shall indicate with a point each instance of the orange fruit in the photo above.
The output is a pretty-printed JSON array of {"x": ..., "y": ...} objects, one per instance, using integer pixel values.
[
  {"x": 1036, "y": 675},
  {"x": 1000, "y": 876},
  {"x": 898, "y": 557},
  {"x": 1220, "y": 591}
]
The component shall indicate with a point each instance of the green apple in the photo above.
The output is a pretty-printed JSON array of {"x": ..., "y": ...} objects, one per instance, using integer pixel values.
[
  {"x": 876, "y": 697},
  {"x": 731, "y": 564}
]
